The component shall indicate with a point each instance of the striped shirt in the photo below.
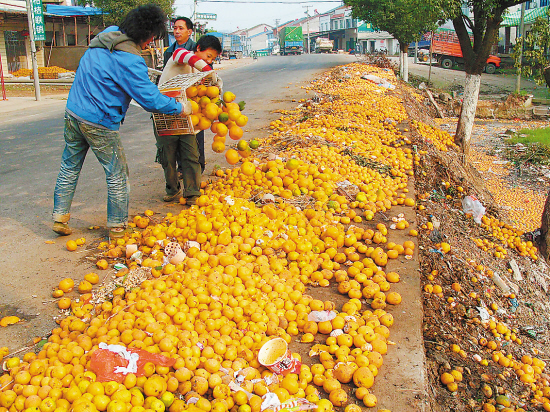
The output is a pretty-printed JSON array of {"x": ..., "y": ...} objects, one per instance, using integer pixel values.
[
  {"x": 183, "y": 56},
  {"x": 183, "y": 62}
]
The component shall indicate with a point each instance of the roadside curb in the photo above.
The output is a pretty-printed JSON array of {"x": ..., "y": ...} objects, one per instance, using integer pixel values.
[{"x": 19, "y": 104}]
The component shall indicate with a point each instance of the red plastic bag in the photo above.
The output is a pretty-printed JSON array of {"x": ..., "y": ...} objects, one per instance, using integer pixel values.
[{"x": 103, "y": 363}]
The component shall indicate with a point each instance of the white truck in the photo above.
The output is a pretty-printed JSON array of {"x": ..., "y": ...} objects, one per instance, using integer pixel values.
[{"x": 323, "y": 45}]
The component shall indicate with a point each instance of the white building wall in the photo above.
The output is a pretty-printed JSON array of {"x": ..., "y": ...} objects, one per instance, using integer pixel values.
[
  {"x": 324, "y": 22},
  {"x": 258, "y": 29}
]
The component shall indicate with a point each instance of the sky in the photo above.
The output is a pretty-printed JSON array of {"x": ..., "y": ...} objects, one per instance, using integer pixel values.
[{"x": 233, "y": 16}]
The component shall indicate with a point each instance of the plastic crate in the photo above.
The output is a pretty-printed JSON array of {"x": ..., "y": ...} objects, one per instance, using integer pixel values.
[
  {"x": 170, "y": 125},
  {"x": 48, "y": 75}
]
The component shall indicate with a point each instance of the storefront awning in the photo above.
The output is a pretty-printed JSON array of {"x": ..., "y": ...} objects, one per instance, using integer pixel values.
[
  {"x": 71, "y": 11},
  {"x": 514, "y": 18}
]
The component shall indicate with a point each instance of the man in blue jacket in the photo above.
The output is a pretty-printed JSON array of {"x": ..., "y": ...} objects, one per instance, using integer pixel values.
[{"x": 111, "y": 73}]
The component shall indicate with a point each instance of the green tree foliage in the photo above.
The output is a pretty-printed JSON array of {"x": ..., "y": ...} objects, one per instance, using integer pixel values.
[
  {"x": 536, "y": 45},
  {"x": 406, "y": 20},
  {"x": 115, "y": 10},
  {"x": 482, "y": 18},
  {"x": 476, "y": 23}
]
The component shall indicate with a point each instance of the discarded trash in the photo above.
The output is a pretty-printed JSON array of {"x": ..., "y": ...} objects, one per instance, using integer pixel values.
[
  {"x": 378, "y": 81},
  {"x": 483, "y": 313},
  {"x": 435, "y": 222},
  {"x": 472, "y": 206},
  {"x": 514, "y": 303},
  {"x": 270, "y": 400},
  {"x": 276, "y": 356},
  {"x": 500, "y": 283},
  {"x": 174, "y": 253},
  {"x": 515, "y": 269},
  {"x": 299, "y": 404},
  {"x": 321, "y": 315},
  {"x": 131, "y": 249},
  {"x": 114, "y": 362},
  {"x": 533, "y": 331}
]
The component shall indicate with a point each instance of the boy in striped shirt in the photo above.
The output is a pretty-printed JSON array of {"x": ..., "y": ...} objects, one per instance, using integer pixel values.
[{"x": 182, "y": 62}]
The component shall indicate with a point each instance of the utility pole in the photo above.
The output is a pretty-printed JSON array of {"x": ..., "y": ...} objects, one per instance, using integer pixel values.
[
  {"x": 521, "y": 24},
  {"x": 33, "y": 52},
  {"x": 277, "y": 31},
  {"x": 307, "y": 14},
  {"x": 193, "y": 20}
]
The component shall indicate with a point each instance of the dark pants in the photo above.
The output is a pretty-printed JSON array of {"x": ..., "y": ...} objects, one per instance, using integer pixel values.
[
  {"x": 185, "y": 147},
  {"x": 202, "y": 159}
]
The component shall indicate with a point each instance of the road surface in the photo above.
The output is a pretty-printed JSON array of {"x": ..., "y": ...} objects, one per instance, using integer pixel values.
[
  {"x": 492, "y": 85},
  {"x": 32, "y": 143}
]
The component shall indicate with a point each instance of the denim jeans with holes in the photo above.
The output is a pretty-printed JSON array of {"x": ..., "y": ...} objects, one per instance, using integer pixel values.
[{"x": 108, "y": 150}]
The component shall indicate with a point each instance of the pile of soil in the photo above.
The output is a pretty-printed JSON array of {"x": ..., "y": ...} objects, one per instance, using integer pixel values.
[{"x": 513, "y": 106}]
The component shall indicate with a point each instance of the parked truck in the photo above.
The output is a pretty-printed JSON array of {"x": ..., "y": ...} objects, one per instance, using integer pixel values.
[
  {"x": 323, "y": 45},
  {"x": 446, "y": 50},
  {"x": 291, "y": 40}
]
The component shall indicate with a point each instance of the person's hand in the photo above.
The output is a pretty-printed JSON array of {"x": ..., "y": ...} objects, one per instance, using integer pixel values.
[
  {"x": 187, "y": 109},
  {"x": 217, "y": 81}
]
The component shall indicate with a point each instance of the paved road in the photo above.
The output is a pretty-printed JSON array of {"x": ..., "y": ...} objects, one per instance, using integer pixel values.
[
  {"x": 491, "y": 84},
  {"x": 31, "y": 144}
]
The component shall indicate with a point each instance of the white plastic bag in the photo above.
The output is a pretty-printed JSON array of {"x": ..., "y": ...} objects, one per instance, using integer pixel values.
[
  {"x": 321, "y": 315},
  {"x": 472, "y": 206}
]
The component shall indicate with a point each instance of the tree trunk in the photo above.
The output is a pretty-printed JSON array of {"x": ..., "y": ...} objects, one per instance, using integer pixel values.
[
  {"x": 467, "y": 114},
  {"x": 544, "y": 239},
  {"x": 547, "y": 76},
  {"x": 405, "y": 67}
]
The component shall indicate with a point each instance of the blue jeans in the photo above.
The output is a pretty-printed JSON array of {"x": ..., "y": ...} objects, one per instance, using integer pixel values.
[{"x": 108, "y": 150}]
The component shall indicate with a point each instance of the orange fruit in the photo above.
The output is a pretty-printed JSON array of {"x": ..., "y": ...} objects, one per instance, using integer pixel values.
[
  {"x": 248, "y": 168},
  {"x": 195, "y": 107},
  {"x": 234, "y": 114},
  {"x": 232, "y": 156},
  {"x": 211, "y": 111},
  {"x": 204, "y": 123},
  {"x": 228, "y": 97},
  {"x": 93, "y": 278},
  {"x": 218, "y": 147},
  {"x": 66, "y": 285},
  {"x": 71, "y": 245},
  {"x": 221, "y": 129},
  {"x": 194, "y": 119},
  {"x": 212, "y": 92},
  {"x": 235, "y": 132},
  {"x": 102, "y": 264},
  {"x": 241, "y": 121},
  {"x": 191, "y": 91},
  {"x": 201, "y": 90}
]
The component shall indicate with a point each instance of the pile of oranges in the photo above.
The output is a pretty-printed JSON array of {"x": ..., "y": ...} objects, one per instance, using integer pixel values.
[{"x": 251, "y": 262}]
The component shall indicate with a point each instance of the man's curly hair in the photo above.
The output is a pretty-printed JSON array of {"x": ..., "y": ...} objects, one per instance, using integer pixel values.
[{"x": 143, "y": 22}]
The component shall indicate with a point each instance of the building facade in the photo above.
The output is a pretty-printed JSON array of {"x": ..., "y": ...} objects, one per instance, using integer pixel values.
[{"x": 68, "y": 33}]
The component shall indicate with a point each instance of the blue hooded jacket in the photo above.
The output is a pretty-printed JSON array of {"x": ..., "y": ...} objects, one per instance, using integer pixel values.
[{"x": 111, "y": 73}]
